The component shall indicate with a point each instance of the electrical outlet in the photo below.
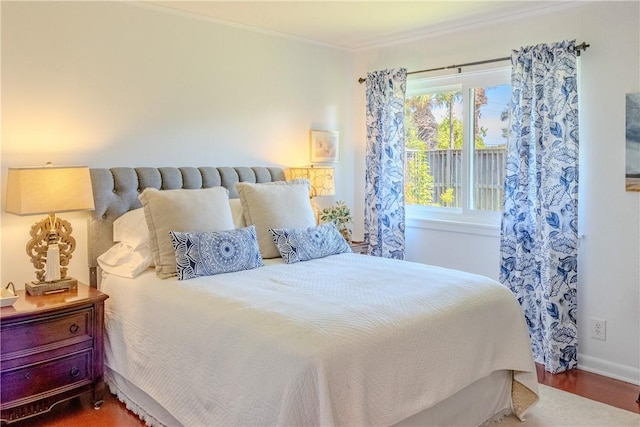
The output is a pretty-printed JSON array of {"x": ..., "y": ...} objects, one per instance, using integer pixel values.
[{"x": 599, "y": 329}]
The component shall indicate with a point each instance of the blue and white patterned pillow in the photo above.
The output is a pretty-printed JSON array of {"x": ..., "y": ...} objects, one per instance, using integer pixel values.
[
  {"x": 303, "y": 244},
  {"x": 215, "y": 252}
]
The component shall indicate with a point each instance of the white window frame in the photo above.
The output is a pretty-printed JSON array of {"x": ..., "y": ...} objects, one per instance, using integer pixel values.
[{"x": 464, "y": 216}]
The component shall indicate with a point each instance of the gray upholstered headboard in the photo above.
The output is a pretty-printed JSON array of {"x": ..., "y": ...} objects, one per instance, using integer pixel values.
[{"x": 115, "y": 192}]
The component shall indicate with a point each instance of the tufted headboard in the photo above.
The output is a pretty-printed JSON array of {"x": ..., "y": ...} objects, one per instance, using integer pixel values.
[{"x": 115, "y": 192}]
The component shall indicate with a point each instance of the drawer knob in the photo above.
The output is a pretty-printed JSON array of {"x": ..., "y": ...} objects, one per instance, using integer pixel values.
[
  {"x": 74, "y": 328},
  {"x": 75, "y": 372}
]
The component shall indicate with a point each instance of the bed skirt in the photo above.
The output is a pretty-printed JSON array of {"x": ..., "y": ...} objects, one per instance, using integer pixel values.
[{"x": 481, "y": 403}]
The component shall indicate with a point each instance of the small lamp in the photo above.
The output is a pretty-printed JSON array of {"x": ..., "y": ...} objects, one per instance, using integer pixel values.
[
  {"x": 321, "y": 179},
  {"x": 49, "y": 190}
]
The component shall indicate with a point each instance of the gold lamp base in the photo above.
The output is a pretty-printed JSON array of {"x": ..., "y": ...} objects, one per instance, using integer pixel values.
[
  {"x": 55, "y": 232},
  {"x": 45, "y": 288}
]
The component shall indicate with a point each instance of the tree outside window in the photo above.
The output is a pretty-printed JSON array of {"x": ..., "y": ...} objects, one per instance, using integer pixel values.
[{"x": 436, "y": 172}]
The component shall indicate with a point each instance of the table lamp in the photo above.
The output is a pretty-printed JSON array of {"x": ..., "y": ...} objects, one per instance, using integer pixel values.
[
  {"x": 49, "y": 190},
  {"x": 322, "y": 182}
]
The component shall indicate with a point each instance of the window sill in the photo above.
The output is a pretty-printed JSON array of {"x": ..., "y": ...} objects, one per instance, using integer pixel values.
[{"x": 480, "y": 228}]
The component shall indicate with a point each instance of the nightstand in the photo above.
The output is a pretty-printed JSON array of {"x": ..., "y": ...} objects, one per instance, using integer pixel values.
[
  {"x": 51, "y": 349},
  {"x": 359, "y": 247}
]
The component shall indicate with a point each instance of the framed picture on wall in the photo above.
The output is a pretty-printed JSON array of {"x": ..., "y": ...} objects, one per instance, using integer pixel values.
[
  {"x": 632, "y": 142},
  {"x": 325, "y": 146}
]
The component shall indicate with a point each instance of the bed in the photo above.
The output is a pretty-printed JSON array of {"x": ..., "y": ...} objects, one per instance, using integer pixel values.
[{"x": 341, "y": 339}]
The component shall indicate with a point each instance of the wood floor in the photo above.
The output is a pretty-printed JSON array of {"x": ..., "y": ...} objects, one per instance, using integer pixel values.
[
  {"x": 80, "y": 413},
  {"x": 595, "y": 387}
]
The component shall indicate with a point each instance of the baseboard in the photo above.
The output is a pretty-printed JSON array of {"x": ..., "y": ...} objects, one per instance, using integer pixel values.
[{"x": 609, "y": 369}]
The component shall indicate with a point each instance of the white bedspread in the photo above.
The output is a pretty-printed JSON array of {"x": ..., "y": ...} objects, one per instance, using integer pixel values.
[{"x": 344, "y": 340}]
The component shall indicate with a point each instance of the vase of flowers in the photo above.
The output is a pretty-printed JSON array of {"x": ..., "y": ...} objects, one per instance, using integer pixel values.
[{"x": 340, "y": 215}]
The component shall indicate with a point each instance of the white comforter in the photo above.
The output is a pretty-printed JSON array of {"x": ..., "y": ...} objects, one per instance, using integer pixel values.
[{"x": 343, "y": 340}]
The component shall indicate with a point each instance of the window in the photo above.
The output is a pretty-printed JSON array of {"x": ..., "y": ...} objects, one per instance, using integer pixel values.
[{"x": 456, "y": 129}]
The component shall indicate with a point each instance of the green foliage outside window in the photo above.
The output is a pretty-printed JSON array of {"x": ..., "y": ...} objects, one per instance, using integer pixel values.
[
  {"x": 447, "y": 198},
  {"x": 424, "y": 133}
]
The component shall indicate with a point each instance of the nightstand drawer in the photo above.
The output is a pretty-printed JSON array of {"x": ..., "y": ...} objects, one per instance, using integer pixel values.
[
  {"x": 47, "y": 330},
  {"x": 46, "y": 377}
]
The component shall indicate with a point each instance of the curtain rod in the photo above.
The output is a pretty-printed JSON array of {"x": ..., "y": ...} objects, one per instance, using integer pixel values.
[{"x": 581, "y": 46}]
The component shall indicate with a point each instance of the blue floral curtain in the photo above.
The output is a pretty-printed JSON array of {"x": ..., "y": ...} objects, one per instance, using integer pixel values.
[
  {"x": 384, "y": 175},
  {"x": 539, "y": 244}
]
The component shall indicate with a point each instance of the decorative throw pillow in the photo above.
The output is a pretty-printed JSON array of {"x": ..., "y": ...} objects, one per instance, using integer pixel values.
[
  {"x": 182, "y": 210},
  {"x": 303, "y": 244},
  {"x": 278, "y": 204},
  {"x": 209, "y": 253}
]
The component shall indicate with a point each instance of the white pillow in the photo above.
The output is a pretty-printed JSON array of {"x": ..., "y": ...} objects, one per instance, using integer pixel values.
[
  {"x": 236, "y": 213},
  {"x": 276, "y": 204},
  {"x": 131, "y": 229},
  {"x": 182, "y": 210},
  {"x": 123, "y": 260}
]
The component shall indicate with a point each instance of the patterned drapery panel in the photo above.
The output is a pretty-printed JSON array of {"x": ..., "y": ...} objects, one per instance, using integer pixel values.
[
  {"x": 384, "y": 176},
  {"x": 539, "y": 243}
]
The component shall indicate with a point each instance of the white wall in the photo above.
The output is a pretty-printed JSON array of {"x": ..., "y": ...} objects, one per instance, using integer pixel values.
[
  {"x": 122, "y": 84},
  {"x": 609, "y": 217}
]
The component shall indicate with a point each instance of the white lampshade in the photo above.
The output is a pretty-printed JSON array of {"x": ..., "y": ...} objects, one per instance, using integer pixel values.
[
  {"x": 48, "y": 189},
  {"x": 321, "y": 178}
]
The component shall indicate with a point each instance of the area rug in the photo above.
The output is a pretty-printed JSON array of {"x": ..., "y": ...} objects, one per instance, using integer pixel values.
[{"x": 558, "y": 408}]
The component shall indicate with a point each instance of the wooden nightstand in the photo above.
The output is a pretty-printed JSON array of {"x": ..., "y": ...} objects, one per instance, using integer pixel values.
[
  {"x": 359, "y": 247},
  {"x": 51, "y": 349}
]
